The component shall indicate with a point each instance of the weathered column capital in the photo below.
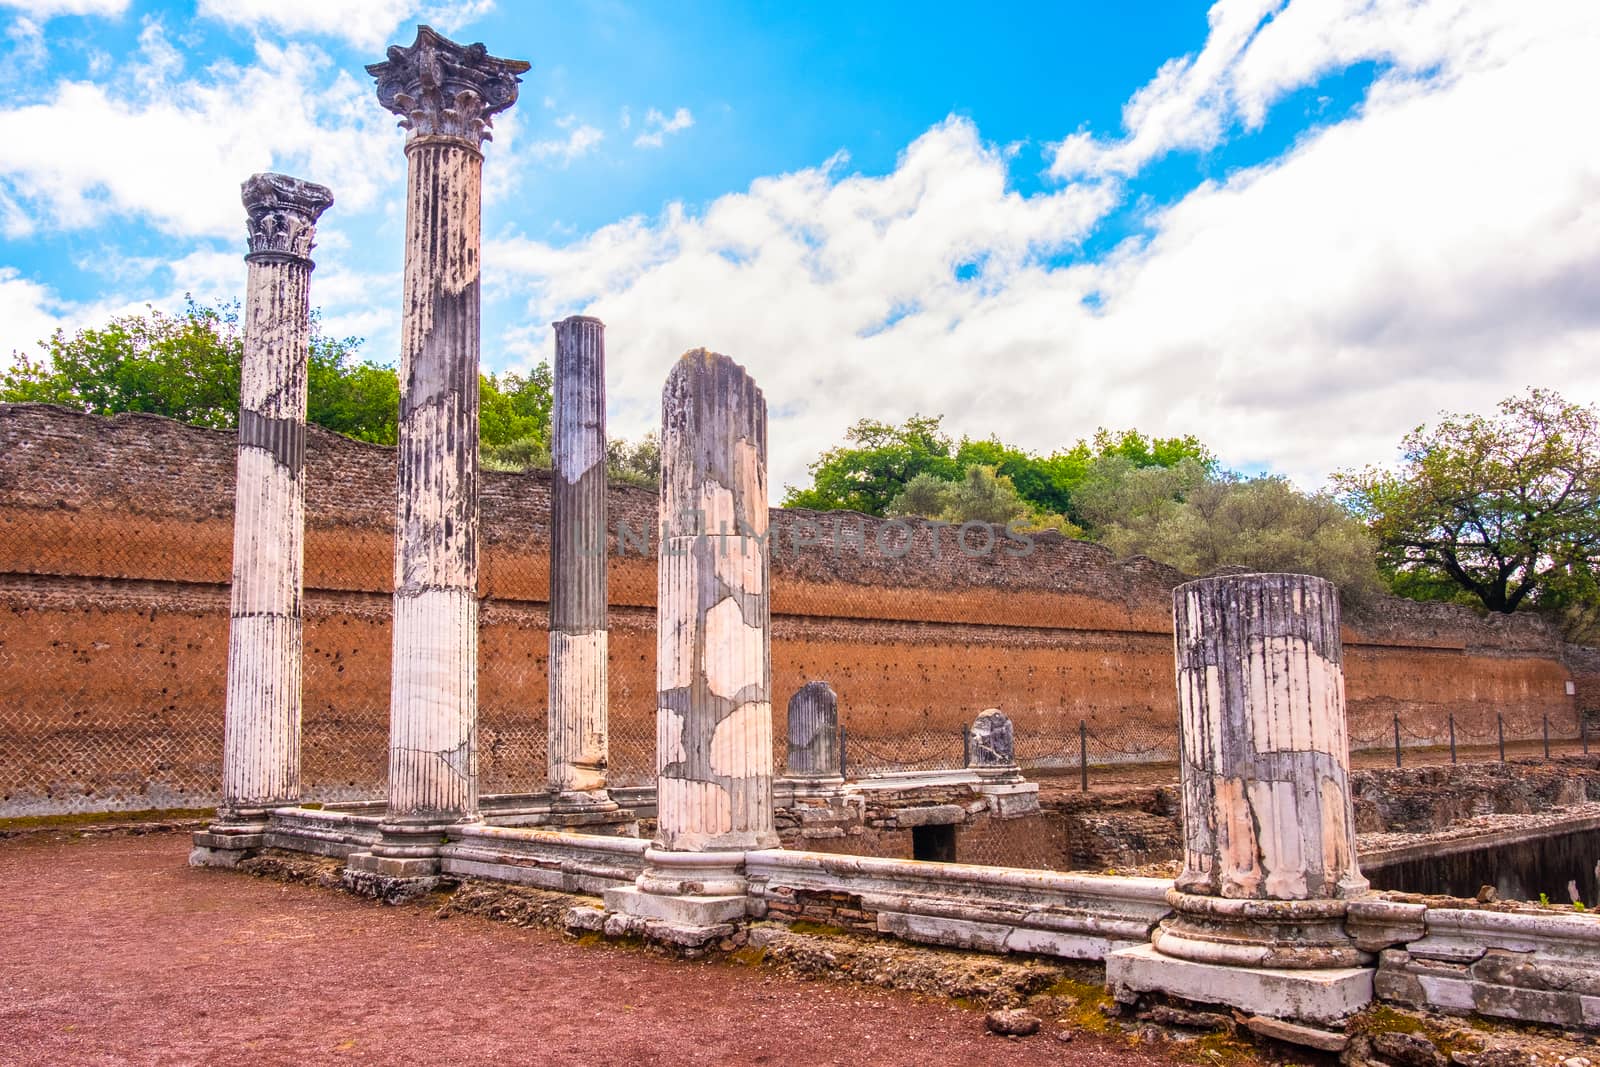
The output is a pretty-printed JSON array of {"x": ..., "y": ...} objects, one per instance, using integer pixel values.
[
  {"x": 282, "y": 214},
  {"x": 443, "y": 89}
]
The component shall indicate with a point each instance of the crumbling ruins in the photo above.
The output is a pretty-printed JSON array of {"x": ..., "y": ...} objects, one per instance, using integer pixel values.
[{"x": 1270, "y": 916}]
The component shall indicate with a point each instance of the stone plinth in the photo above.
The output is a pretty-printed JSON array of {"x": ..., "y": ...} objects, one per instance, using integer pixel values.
[
  {"x": 261, "y": 721},
  {"x": 1325, "y": 997},
  {"x": 577, "y": 717},
  {"x": 446, "y": 95}
]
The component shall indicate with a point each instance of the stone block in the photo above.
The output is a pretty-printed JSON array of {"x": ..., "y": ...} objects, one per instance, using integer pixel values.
[
  {"x": 1310, "y": 996},
  {"x": 679, "y": 910},
  {"x": 933, "y": 815},
  {"x": 1297, "y": 1034},
  {"x": 994, "y": 937}
]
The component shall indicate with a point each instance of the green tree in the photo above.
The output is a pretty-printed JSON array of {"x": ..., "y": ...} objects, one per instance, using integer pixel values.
[
  {"x": 868, "y": 472},
  {"x": 1262, "y": 524},
  {"x": 357, "y": 399},
  {"x": 634, "y": 463},
  {"x": 186, "y": 367},
  {"x": 1504, "y": 507},
  {"x": 513, "y": 407}
]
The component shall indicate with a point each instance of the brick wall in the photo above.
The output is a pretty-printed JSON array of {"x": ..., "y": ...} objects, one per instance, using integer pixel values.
[{"x": 115, "y": 546}]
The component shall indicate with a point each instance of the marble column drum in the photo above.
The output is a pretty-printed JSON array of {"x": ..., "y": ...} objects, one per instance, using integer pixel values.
[
  {"x": 446, "y": 95},
  {"x": 713, "y": 669},
  {"x": 1269, "y": 829},
  {"x": 578, "y": 696}
]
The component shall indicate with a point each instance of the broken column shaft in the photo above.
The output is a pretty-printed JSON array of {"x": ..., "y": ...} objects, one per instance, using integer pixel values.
[
  {"x": 261, "y": 733},
  {"x": 713, "y": 669},
  {"x": 445, "y": 94},
  {"x": 577, "y": 715},
  {"x": 1268, "y": 824},
  {"x": 713, "y": 675}
]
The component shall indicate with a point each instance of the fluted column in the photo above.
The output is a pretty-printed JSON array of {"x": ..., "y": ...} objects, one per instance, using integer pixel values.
[
  {"x": 577, "y": 715},
  {"x": 446, "y": 95},
  {"x": 713, "y": 670},
  {"x": 261, "y": 732},
  {"x": 261, "y": 719},
  {"x": 1268, "y": 826}
]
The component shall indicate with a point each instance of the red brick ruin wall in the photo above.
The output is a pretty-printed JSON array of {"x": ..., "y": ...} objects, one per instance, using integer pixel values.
[{"x": 116, "y": 537}]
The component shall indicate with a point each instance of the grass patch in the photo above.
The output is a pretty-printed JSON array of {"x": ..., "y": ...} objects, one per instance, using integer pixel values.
[{"x": 78, "y": 820}]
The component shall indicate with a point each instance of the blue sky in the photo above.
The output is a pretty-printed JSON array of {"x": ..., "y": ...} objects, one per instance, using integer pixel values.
[{"x": 1295, "y": 229}]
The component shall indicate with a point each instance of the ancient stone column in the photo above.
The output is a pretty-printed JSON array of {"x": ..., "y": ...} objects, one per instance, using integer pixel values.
[
  {"x": 446, "y": 94},
  {"x": 261, "y": 723},
  {"x": 713, "y": 669},
  {"x": 577, "y": 715},
  {"x": 813, "y": 733},
  {"x": 1268, "y": 826}
]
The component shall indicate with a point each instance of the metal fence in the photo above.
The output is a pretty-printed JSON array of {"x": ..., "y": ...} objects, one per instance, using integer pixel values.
[{"x": 113, "y": 657}]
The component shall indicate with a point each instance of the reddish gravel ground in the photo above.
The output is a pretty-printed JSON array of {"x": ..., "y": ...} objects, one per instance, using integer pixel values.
[{"x": 113, "y": 951}]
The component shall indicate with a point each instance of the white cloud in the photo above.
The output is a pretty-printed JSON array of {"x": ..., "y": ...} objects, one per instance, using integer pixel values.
[
  {"x": 1259, "y": 50},
  {"x": 171, "y": 152},
  {"x": 48, "y": 9},
  {"x": 1438, "y": 249},
  {"x": 26, "y": 53},
  {"x": 580, "y": 140},
  {"x": 658, "y": 126},
  {"x": 28, "y": 315},
  {"x": 370, "y": 24}
]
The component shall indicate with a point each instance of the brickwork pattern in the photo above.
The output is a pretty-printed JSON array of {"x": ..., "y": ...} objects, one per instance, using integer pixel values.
[{"x": 115, "y": 553}]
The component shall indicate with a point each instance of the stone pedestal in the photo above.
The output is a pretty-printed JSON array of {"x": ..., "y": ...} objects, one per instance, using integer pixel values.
[
  {"x": 446, "y": 95},
  {"x": 261, "y": 723},
  {"x": 577, "y": 750},
  {"x": 713, "y": 671},
  {"x": 1270, "y": 860}
]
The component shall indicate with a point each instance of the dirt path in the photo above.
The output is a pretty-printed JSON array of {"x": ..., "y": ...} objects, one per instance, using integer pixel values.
[{"x": 113, "y": 951}]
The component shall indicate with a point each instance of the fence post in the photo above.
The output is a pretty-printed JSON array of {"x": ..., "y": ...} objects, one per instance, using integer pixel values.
[
  {"x": 1500, "y": 722},
  {"x": 844, "y": 761},
  {"x": 966, "y": 747},
  {"x": 1397, "y": 739},
  {"x": 1083, "y": 755},
  {"x": 1547, "y": 737},
  {"x": 1452, "y": 737}
]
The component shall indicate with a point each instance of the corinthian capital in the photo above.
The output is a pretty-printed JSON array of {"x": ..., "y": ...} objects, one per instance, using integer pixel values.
[
  {"x": 283, "y": 213},
  {"x": 443, "y": 89}
]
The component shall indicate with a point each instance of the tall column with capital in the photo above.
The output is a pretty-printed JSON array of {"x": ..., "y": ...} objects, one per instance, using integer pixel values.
[
  {"x": 261, "y": 724},
  {"x": 577, "y": 716},
  {"x": 445, "y": 95}
]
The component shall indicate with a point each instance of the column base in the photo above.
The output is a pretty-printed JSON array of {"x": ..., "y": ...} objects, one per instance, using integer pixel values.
[
  {"x": 1292, "y": 935},
  {"x": 229, "y": 841},
  {"x": 688, "y": 900},
  {"x": 405, "y": 861},
  {"x": 392, "y": 881},
  {"x": 1320, "y": 997}
]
